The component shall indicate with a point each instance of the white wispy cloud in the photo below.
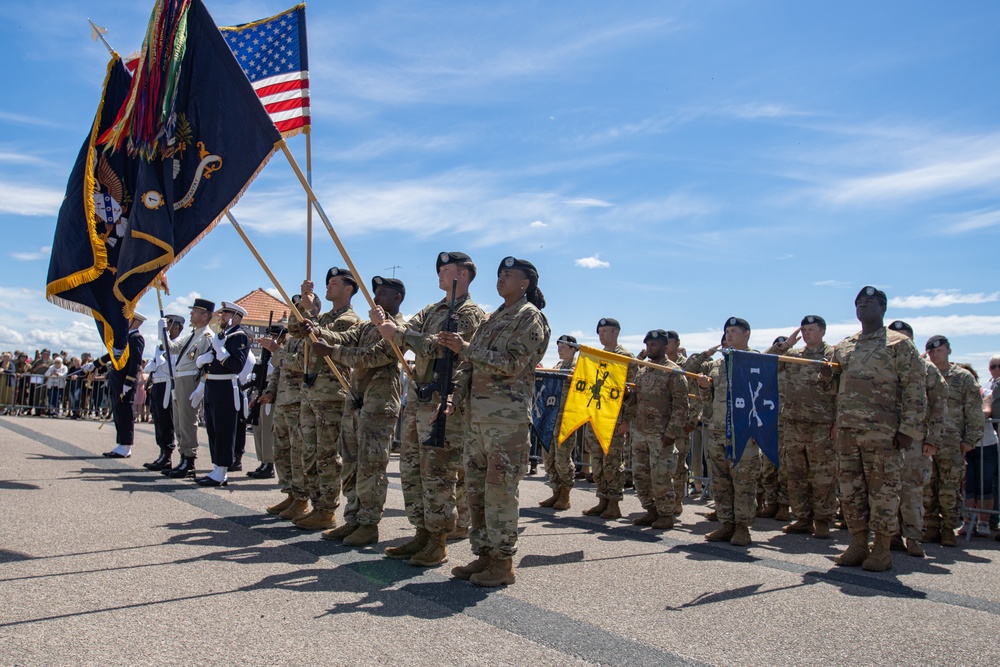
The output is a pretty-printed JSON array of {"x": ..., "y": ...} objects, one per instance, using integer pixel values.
[
  {"x": 375, "y": 148},
  {"x": 594, "y": 262},
  {"x": 41, "y": 253},
  {"x": 20, "y": 199},
  {"x": 939, "y": 298},
  {"x": 538, "y": 224},
  {"x": 839, "y": 284},
  {"x": 970, "y": 222}
]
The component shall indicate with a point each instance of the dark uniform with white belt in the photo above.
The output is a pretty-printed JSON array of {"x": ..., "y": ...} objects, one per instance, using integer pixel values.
[
  {"x": 224, "y": 362},
  {"x": 122, "y": 387}
]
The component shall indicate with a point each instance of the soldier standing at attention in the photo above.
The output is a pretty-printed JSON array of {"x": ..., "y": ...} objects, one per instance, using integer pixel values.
[
  {"x": 808, "y": 405},
  {"x": 322, "y": 406},
  {"x": 917, "y": 459},
  {"x": 497, "y": 382},
  {"x": 370, "y": 417},
  {"x": 160, "y": 381},
  {"x": 734, "y": 485},
  {"x": 658, "y": 411},
  {"x": 881, "y": 410},
  {"x": 429, "y": 474},
  {"x": 609, "y": 468},
  {"x": 121, "y": 384},
  {"x": 963, "y": 428},
  {"x": 263, "y": 432},
  {"x": 559, "y": 458},
  {"x": 223, "y": 401}
]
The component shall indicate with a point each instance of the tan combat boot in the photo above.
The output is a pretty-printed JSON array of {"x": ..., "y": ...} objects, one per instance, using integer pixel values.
[
  {"x": 434, "y": 553},
  {"x": 481, "y": 564},
  {"x": 459, "y": 533},
  {"x": 800, "y": 527},
  {"x": 563, "y": 502},
  {"x": 821, "y": 529},
  {"x": 767, "y": 511},
  {"x": 551, "y": 500},
  {"x": 931, "y": 535},
  {"x": 282, "y": 506},
  {"x": 646, "y": 519},
  {"x": 857, "y": 552},
  {"x": 678, "y": 507},
  {"x": 948, "y": 538},
  {"x": 782, "y": 513},
  {"x": 896, "y": 543},
  {"x": 598, "y": 509},
  {"x": 499, "y": 573},
  {"x": 914, "y": 549},
  {"x": 297, "y": 510},
  {"x": 339, "y": 533},
  {"x": 712, "y": 516},
  {"x": 407, "y": 550},
  {"x": 880, "y": 559},
  {"x": 612, "y": 511},
  {"x": 364, "y": 534},
  {"x": 317, "y": 520},
  {"x": 741, "y": 535},
  {"x": 663, "y": 523},
  {"x": 723, "y": 533}
]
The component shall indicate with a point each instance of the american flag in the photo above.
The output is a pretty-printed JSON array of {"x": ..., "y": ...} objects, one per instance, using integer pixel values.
[{"x": 273, "y": 54}]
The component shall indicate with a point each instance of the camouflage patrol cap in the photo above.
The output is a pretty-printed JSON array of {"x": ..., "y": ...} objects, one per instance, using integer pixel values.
[
  {"x": 813, "y": 319},
  {"x": 456, "y": 258},
  {"x": 391, "y": 283},
  {"x": 737, "y": 322},
  {"x": 655, "y": 334},
  {"x": 873, "y": 292},
  {"x": 608, "y": 322},
  {"x": 900, "y": 325},
  {"x": 934, "y": 342},
  {"x": 566, "y": 339}
]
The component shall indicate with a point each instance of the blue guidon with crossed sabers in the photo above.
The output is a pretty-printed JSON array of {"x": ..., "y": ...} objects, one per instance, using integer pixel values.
[{"x": 752, "y": 403}]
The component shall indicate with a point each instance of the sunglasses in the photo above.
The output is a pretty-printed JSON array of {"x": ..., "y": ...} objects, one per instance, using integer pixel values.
[{"x": 994, "y": 366}]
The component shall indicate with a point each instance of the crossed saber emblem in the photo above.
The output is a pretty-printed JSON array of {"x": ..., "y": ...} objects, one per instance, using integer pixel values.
[{"x": 754, "y": 393}]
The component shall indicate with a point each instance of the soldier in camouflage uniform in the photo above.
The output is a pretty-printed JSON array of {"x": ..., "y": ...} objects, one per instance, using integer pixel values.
[
  {"x": 963, "y": 428},
  {"x": 429, "y": 474},
  {"x": 917, "y": 459},
  {"x": 559, "y": 457},
  {"x": 657, "y": 410},
  {"x": 683, "y": 445},
  {"x": 609, "y": 467},
  {"x": 772, "y": 485},
  {"x": 322, "y": 407},
  {"x": 881, "y": 409},
  {"x": 370, "y": 419},
  {"x": 808, "y": 406},
  {"x": 497, "y": 383},
  {"x": 734, "y": 485}
]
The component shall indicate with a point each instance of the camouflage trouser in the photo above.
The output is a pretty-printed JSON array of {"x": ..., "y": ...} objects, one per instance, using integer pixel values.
[
  {"x": 430, "y": 475},
  {"x": 320, "y": 428},
  {"x": 869, "y": 480},
  {"x": 810, "y": 464},
  {"x": 364, "y": 446},
  {"x": 913, "y": 479},
  {"x": 496, "y": 460},
  {"x": 942, "y": 492},
  {"x": 559, "y": 463},
  {"x": 653, "y": 468},
  {"x": 734, "y": 486},
  {"x": 608, "y": 469},
  {"x": 683, "y": 446},
  {"x": 773, "y": 480},
  {"x": 288, "y": 451}
]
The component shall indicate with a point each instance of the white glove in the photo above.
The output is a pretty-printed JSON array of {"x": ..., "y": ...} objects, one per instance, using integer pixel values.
[
  {"x": 126, "y": 388},
  {"x": 218, "y": 344},
  {"x": 222, "y": 354},
  {"x": 198, "y": 395},
  {"x": 161, "y": 324},
  {"x": 204, "y": 359},
  {"x": 89, "y": 366}
]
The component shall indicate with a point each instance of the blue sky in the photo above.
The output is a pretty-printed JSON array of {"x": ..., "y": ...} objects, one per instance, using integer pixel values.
[{"x": 666, "y": 164}]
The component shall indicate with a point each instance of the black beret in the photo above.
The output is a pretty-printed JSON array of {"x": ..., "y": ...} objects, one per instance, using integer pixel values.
[
  {"x": 655, "y": 334},
  {"x": 671, "y": 334},
  {"x": 343, "y": 273},
  {"x": 737, "y": 322},
  {"x": 779, "y": 340},
  {"x": 204, "y": 304},
  {"x": 875, "y": 292},
  {"x": 568, "y": 340},
  {"x": 814, "y": 319},
  {"x": 296, "y": 299},
  {"x": 935, "y": 342},
  {"x": 515, "y": 263},
  {"x": 393, "y": 283},
  {"x": 900, "y": 325},
  {"x": 455, "y": 258},
  {"x": 276, "y": 330},
  {"x": 608, "y": 322}
]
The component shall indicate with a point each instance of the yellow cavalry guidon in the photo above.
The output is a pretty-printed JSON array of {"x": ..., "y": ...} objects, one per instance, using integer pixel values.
[{"x": 595, "y": 394}]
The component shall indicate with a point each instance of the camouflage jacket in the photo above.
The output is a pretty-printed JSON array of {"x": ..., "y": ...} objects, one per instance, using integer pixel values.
[
  {"x": 882, "y": 384},
  {"x": 715, "y": 369},
  {"x": 700, "y": 362},
  {"x": 498, "y": 365},
  {"x": 629, "y": 377},
  {"x": 375, "y": 380},
  {"x": 964, "y": 420},
  {"x": 659, "y": 402},
  {"x": 937, "y": 404},
  {"x": 285, "y": 383},
  {"x": 326, "y": 386},
  {"x": 695, "y": 399},
  {"x": 805, "y": 395}
]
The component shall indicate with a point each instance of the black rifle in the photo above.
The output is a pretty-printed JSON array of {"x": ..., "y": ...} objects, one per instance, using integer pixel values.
[
  {"x": 443, "y": 378},
  {"x": 259, "y": 383}
]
